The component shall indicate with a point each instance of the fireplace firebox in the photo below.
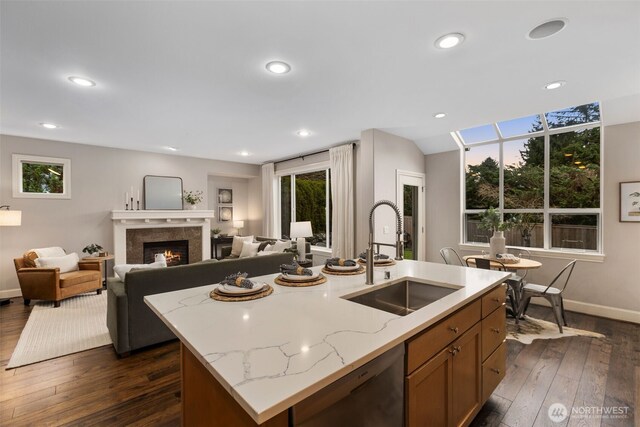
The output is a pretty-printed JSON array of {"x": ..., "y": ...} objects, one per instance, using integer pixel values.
[{"x": 176, "y": 252}]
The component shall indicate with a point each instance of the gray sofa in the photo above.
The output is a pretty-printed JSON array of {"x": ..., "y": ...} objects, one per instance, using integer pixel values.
[{"x": 131, "y": 323}]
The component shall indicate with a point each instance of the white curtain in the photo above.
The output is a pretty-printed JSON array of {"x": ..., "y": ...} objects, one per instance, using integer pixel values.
[
  {"x": 268, "y": 200},
  {"x": 342, "y": 194}
]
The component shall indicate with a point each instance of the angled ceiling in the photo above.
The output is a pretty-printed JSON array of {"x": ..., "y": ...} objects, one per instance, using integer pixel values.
[{"x": 192, "y": 74}]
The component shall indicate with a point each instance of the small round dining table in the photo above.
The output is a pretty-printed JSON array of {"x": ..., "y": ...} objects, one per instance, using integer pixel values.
[{"x": 515, "y": 285}]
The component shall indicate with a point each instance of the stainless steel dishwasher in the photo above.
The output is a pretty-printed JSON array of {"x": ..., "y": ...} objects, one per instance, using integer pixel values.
[{"x": 372, "y": 395}]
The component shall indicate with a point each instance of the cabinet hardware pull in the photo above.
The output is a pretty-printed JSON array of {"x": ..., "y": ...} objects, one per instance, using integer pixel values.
[
  {"x": 496, "y": 330},
  {"x": 454, "y": 351},
  {"x": 454, "y": 330},
  {"x": 496, "y": 299},
  {"x": 458, "y": 349},
  {"x": 497, "y": 371}
]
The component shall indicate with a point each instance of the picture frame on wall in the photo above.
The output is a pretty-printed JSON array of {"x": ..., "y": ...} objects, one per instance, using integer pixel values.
[
  {"x": 630, "y": 201},
  {"x": 225, "y": 213},
  {"x": 225, "y": 195}
]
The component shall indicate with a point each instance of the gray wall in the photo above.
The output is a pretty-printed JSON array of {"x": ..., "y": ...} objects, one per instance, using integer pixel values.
[
  {"x": 378, "y": 157},
  {"x": 99, "y": 178},
  {"x": 244, "y": 191},
  {"x": 612, "y": 283}
]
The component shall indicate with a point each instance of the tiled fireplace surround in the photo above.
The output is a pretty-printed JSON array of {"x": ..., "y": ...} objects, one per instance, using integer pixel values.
[{"x": 132, "y": 228}]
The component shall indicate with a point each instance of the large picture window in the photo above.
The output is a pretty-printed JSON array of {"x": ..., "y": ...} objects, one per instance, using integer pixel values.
[
  {"x": 543, "y": 174},
  {"x": 306, "y": 196}
]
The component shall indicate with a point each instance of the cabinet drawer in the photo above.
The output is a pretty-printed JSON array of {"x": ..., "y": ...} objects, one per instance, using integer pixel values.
[
  {"x": 494, "y": 330},
  {"x": 493, "y": 370},
  {"x": 494, "y": 299},
  {"x": 424, "y": 346}
]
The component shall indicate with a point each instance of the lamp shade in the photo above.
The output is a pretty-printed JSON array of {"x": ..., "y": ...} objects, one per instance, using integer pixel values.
[
  {"x": 10, "y": 218},
  {"x": 238, "y": 224},
  {"x": 301, "y": 229}
]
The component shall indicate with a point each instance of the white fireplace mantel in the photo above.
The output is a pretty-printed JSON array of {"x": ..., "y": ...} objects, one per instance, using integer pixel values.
[{"x": 125, "y": 219}]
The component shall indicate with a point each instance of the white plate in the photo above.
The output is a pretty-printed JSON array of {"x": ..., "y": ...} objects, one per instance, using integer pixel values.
[
  {"x": 236, "y": 290},
  {"x": 343, "y": 267},
  {"x": 300, "y": 278}
]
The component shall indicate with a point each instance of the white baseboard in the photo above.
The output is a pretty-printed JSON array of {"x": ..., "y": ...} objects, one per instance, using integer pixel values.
[
  {"x": 11, "y": 293},
  {"x": 595, "y": 310}
]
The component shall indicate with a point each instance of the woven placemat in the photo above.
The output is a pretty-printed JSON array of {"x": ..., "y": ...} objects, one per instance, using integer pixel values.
[
  {"x": 360, "y": 270},
  {"x": 268, "y": 291},
  {"x": 280, "y": 281},
  {"x": 378, "y": 264}
]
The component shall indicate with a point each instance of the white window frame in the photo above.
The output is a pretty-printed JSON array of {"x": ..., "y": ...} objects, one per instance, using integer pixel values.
[
  {"x": 18, "y": 190},
  {"x": 547, "y": 249},
  {"x": 315, "y": 167}
]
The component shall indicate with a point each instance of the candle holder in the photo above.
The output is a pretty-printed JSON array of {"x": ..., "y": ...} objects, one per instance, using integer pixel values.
[
  {"x": 138, "y": 205},
  {"x": 126, "y": 206}
]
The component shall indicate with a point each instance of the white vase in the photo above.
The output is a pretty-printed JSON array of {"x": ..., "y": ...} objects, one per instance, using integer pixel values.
[
  {"x": 497, "y": 244},
  {"x": 191, "y": 207}
]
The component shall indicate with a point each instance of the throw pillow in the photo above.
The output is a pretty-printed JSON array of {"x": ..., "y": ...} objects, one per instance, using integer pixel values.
[
  {"x": 267, "y": 248},
  {"x": 236, "y": 246},
  {"x": 122, "y": 269},
  {"x": 263, "y": 245},
  {"x": 31, "y": 255},
  {"x": 249, "y": 249},
  {"x": 65, "y": 263},
  {"x": 281, "y": 245}
]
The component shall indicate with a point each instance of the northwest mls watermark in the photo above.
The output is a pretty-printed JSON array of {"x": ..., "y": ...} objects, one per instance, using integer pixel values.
[{"x": 558, "y": 412}]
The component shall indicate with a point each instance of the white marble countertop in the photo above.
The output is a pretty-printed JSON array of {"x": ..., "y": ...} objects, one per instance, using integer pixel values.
[{"x": 273, "y": 352}]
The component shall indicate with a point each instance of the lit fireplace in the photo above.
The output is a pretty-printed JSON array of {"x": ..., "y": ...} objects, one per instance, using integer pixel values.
[{"x": 176, "y": 252}]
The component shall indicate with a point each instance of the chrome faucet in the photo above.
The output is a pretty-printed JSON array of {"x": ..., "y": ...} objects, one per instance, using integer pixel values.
[{"x": 398, "y": 245}]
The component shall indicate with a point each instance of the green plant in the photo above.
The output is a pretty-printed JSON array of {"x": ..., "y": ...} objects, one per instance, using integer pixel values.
[
  {"x": 92, "y": 248},
  {"x": 490, "y": 220},
  {"x": 216, "y": 231},
  {"x": 192, "y": 197}
]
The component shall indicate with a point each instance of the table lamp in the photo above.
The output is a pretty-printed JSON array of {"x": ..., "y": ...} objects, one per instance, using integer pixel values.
[
  {"x": 300, "y": 230},
  {"x": 9, "y": 218},
  {"x": 239, "y": 225}
]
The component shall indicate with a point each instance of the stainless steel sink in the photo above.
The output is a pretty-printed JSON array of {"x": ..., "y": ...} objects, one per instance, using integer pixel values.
[{"x": 403, "y": 297}]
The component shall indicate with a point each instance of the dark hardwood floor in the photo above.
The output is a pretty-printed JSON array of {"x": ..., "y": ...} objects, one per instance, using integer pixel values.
[{"x": 94, "y": 387}]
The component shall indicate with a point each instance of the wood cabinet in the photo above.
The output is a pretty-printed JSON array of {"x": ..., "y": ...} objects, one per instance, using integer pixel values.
[{"x": 448, "y": 386}]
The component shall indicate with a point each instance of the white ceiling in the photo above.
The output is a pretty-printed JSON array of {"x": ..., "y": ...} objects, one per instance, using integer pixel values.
[{"x": 191, "y": 74}]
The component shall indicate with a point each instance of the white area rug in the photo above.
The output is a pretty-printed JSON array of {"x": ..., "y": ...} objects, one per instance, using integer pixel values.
[
  {"x": 530, "y": 329},
  {"x": 80, "y": 323}
]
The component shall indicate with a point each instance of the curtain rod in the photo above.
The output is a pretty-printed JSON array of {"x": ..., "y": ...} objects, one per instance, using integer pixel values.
[{"x": 302, "y": 156}]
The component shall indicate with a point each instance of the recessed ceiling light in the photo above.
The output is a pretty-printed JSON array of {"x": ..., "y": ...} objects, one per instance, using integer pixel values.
[
  {"x": 49, "y": 125},
  {"x": 555, "y": 85},
  {"x": 81, "y": 81},
  {"x": 547, "y": 29},
  {"x": 278, "y": 67},
  {"x": 439, "y": 115},
  {"x": 171, "y": 148},
  {"x": 303, "y": 133},
  {"x": 244, "y": 153},
  {"x": 449, "y": 40}
]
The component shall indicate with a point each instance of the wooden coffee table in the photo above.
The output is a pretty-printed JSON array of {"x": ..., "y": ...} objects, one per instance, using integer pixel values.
[{"x": 104, "y": 259}]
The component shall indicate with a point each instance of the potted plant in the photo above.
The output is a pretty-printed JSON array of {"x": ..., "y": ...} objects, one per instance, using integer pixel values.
[
  {"x": 490, "y": 220},
  {"x": 215, "y": 232},
  {"x": 92, "y": 249},
  {"x": 525, "y": 223},
  {"x": 192, "y": 198}
]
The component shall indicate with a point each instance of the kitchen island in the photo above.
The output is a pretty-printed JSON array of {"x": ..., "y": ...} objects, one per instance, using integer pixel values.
[{"x": 271, "y": 353}]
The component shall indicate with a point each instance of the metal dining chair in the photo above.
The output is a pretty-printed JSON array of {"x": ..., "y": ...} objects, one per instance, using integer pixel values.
[
  {"x": 451, "y": 257},
  {"x": 550, "y": 293},
  {"x": 513, "y": 285},
  {"x": 520, "y": 253}
]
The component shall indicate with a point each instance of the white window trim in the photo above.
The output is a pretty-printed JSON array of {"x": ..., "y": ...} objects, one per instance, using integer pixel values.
[
  {"x": 19, "y": 159},
  {"x": 551, "y": 252},
  {"x": 298, "y": 170}
]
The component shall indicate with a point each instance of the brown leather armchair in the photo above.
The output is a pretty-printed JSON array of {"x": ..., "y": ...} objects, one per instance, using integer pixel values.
[{"x": 51, "y": 285}]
